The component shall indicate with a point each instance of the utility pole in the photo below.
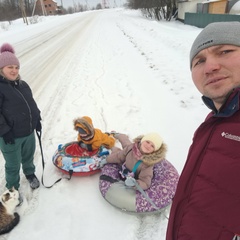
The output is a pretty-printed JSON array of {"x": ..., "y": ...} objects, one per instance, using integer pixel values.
[
  {"x": 43, "y": 8},
  {"x": 105, "y": 4},
  {"x": 44, "y": 12},
  {"x": 24, "y": 15},
  {"x": 87, "y": 4}
]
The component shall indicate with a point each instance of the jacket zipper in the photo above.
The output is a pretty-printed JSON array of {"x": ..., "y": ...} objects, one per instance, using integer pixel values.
[{"x": 30, "y": 112}]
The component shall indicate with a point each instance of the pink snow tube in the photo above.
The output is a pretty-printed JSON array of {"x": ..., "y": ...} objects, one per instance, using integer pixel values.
[{"x": 160, "y": 193}]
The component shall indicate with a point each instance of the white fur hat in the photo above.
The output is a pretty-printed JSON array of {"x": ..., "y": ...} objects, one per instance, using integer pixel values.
[{"x": 154, "y": 138}]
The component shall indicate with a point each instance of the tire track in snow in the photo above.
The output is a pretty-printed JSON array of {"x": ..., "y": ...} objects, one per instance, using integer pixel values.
[
  {"x": 103, "y": 90},
  {"x": 97, "y": 91},
  {"x": 167, "y": 48}
]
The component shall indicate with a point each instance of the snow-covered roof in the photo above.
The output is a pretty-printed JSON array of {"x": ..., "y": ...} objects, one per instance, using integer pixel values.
[{"x": 211, "y": 1}]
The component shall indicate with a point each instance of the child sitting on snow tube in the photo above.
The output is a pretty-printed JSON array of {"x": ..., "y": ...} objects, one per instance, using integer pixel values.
[
  {"x": 89, "y": 137},
  {"x": 137, "y": 159}
]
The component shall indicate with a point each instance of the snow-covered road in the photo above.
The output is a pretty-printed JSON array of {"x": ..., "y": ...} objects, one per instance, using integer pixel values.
[{"x": 119, "y": 69}]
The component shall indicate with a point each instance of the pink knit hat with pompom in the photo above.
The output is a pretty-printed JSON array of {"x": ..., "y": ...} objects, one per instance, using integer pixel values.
[{"x": 7, "y": 56}]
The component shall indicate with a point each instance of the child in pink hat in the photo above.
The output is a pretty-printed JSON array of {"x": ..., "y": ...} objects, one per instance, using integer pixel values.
[{"x": 19, "y": 117}]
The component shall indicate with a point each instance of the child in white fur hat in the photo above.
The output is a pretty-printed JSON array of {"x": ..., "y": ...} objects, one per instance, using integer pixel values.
[{"x": 138, "y": 158}]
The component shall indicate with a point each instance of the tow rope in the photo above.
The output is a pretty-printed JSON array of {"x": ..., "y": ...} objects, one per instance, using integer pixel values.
[{"x": 39, "y": 134}]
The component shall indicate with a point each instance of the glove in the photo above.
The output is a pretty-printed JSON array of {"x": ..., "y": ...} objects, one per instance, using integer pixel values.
[
  {"x": 130, "y": 182},
  {"x": 85, "y": 146},
  {"x": 89, "y": 147},
  {"x": 113, "y": 133},
  {"x": 9, "y": 138},
  {"x": 39, "y": 126},
  {"x": 103, "y": 161}
]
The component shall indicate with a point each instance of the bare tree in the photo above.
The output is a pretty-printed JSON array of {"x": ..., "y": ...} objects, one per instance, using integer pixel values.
[
  {"x": 24, "y": 15},
  {"x": 99, "y": 6},
  {"x": 9, "y": 10},
  {"x": 158, "y": 9}
]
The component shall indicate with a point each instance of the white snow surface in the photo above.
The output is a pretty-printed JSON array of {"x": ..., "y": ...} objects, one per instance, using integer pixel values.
[{"x": 129, "y": 74}]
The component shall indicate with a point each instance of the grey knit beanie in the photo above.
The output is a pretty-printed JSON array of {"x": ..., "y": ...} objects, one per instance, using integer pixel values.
[{"x": 216, "y": 33}]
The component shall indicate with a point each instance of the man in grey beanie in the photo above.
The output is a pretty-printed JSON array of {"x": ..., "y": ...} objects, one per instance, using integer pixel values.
[{"x": 207, "y": 201}]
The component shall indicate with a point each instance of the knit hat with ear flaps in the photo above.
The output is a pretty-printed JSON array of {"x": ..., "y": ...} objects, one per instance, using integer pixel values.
[
  {"x": 217, "y": 33},
  {"x": 154, "y": 138},
  {"x": 7, "y": 56}
]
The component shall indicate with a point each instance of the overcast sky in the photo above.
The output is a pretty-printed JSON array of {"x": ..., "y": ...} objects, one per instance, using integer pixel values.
[{"x": 91, "y": 3}]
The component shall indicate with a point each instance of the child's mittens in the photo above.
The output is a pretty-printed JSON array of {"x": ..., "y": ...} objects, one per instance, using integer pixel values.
[
  {"x": 85, "y": 146},
  {"x": 103, "y": 161},
  {"x": 130, "y": 182},
  {"x": 112, "y": 133}
]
